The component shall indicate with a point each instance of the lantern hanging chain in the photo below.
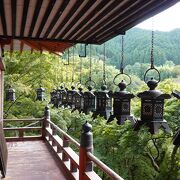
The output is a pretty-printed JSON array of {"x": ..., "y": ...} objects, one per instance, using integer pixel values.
[
  {"x": 62, "y": 73},
  {"x": 152, "y": 46},
  {"x": 66, "y": 74},
  {"x": 104, "y": 65},
  {"x": 73, "y": 67},
  {"x": 90, "y": 68},
  {"x": 152, "y": 50},
  {"x": 122, "y": 55}
]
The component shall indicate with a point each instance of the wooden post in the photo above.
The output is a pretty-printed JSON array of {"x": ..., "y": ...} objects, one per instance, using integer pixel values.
[
  {"x": 65, "y": 144},
  {"x": 86, "y": 145},
  {"x": 46, "y": 117}
]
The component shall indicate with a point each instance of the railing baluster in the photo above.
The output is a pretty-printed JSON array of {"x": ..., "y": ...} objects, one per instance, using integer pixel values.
[
  {"x": 65, "y": 144},
  {"x": 59, "y": 149},
  {"x": 21, "y": 133},
  {"x": 73, "y": 167}
]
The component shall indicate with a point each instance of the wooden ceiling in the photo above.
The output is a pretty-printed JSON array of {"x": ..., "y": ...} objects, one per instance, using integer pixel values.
[{"x": 45, "y": 23}]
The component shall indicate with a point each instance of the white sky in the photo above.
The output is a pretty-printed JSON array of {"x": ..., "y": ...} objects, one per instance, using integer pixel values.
[{"x": 164, "y": 21}]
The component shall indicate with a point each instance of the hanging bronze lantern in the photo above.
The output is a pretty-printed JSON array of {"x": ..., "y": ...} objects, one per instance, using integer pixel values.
[
  {"x": 10, "y": 94},
  {"x": 70, "y": 94},
  {"x": 152, "y": 102},
  {"x": 78, "y": 100},
  {"x": 103, "y": 98},
  {"x": 122, "y": 105},
  {"x": 152, "y": 108},
  {"x": 60, "y": 95},
  {"x": 89, "y": 97},
  {"x": 103, "y": 103},
  {"x": 53, "y": 96},
  {"x": 122, "y": 99},
  {"x": 64, "y": 97},
  {"x": 89, "y": 101},
  {"x": 40, "y": 94}
]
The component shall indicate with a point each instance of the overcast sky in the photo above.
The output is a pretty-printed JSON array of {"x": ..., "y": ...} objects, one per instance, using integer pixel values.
[{"x": 165, "y": 21}]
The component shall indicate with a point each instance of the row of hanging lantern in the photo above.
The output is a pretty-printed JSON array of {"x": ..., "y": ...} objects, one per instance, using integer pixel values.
[
  {"x": 100, "y": 102},
  {"x": 111, "y": 105}
]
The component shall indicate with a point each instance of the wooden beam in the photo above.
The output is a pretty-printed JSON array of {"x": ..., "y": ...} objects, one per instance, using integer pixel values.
[
  {"x": 67, "y": 18},
  {"x": 75, "y": 20},
  {"x": 56, "y": 17},
  {"x": 48, "y": 39},
  {"x": 13, "y": 10},
  {"x": 3, "y": 19},
  {"x": 45, "y": 17},
  {"x": 24, "y": 16},
  {"x": 35, "y": 16}
]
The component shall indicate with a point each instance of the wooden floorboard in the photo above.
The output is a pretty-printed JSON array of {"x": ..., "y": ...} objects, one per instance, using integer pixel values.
[{"x": 32, "y": 160}]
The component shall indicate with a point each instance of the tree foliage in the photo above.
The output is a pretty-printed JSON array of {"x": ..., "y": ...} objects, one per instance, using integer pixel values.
[{"x": 134, "y": 155}]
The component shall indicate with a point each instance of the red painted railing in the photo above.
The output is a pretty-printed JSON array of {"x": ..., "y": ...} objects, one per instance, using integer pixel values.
[{"x": 76, "y": 158}]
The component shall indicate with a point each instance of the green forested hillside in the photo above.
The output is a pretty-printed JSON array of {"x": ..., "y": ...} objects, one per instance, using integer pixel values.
[{"x": 137, "y": 44}]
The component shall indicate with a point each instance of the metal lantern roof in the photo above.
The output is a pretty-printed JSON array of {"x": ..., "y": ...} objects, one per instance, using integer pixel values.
[{"x": 54, "y": 25}]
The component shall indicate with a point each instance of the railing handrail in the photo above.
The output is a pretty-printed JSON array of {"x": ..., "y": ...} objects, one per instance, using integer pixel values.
[
  {"x": 103, "y": 167},
  {"x": 25, "y": 120},
  {"x": 64, "y": 133}
]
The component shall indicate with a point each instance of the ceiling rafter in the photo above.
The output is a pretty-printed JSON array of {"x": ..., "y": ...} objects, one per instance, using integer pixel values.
[
  {"x": 67, "y": 18},
  {"x": 45, "y": 17},
  {"x": 2, "y": 13},
  {"x": 13, "y": 9},
  {"x": 35, "y": 16},
  {"x": 56, "y": 17},
  {"x": 24, "y": 16}
]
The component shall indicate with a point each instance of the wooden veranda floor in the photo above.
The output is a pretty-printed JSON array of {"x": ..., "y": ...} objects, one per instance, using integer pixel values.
[{"x": 32, "y": 160}]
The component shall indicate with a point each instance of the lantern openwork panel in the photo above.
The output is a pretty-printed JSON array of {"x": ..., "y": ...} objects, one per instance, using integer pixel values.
[
  {"x": 78, "y": 99},
  {"x": 70, "y": 99},
  {"x": 60, "y": 93},
  {"x": 152, "y": 110},
  {"x": 40, "y": 94}
]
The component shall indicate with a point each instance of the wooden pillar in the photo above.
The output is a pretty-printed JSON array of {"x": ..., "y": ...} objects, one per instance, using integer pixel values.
[
  {"x": 46, "y": 117},
  {"x": 1, "y": 86},
  {"x": 3, "y": 146},
  {"x": 86, "y": 145}
]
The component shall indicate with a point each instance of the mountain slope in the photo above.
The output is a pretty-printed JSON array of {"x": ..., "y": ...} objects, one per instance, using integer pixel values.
[{"x": 137, "y": 45}]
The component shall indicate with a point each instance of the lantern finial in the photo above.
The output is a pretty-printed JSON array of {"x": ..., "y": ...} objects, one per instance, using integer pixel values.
[
  {"x": 152, "y": 84},
  {"x": 122, "y": 85}
]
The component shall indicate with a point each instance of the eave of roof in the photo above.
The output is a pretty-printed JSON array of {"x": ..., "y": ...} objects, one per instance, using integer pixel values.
[{"x": 42, "y": 24}]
